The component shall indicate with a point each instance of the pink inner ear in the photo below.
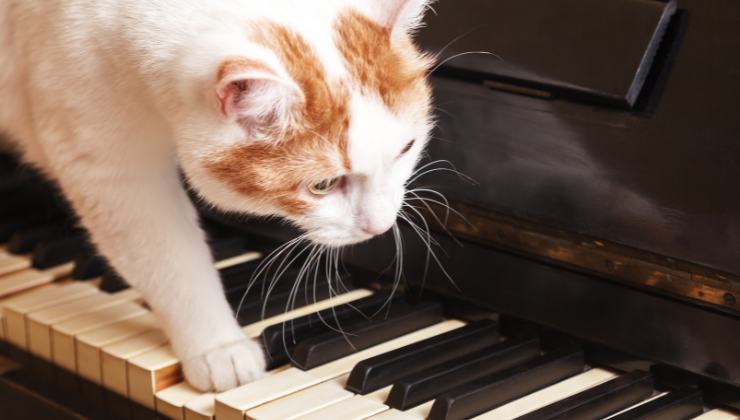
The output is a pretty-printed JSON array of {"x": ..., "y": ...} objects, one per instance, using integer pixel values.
[
  {"x": 233, "y": 81},
  {"x": 229, "y": 97},
  {"x": 226, "y": 97}
]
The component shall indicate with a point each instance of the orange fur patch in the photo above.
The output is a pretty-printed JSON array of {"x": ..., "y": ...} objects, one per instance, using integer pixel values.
[
  {"x": 275, "y": 172},
  {"x": 238, "y": 63},
  {"x": 393, "y": 68}
]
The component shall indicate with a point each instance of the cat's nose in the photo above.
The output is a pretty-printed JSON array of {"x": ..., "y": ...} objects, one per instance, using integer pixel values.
[
  {"x": 377, "y": 215},
  {"x": 375, "y": 230}
]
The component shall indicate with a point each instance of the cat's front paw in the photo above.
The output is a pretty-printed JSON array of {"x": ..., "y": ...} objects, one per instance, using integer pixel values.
[{"x": 226, "y": 367}]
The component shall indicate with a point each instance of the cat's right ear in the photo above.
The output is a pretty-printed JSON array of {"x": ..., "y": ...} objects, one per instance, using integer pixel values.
[{"x": 259, "y": 96}]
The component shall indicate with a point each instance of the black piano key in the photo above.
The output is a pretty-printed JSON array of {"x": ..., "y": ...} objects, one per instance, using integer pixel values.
[
  {"x": 278, "y": 340},
  {"x": 232, "y": 277},
  {"x": 89, "y": 266},
  {"x": 238, "y": 277},
  {"x": 14, "y": 207},
  {"x": 377, "y": 372},
  {"x": 226, "y": 247},
  {"x": 10, "y": 227},
  {"x": 254, "y": 309},
  {"x": 332, "y": 345},
  {"x": 10, "y": 182},
  {"x": 58, "y": 251},
  {"x": 426, "y": 385},
  {"x": 112, "y": 282},
  {"x": 8, "y": 163},
  {"x": 26, "y": 240},
  {"x": 600, "y": 401},
  {"x": 676, "y": 405},
  {"x": 32, "y": 199},
  {"x": 236, "y": 282},
  {"x": 489, "y": 392}
]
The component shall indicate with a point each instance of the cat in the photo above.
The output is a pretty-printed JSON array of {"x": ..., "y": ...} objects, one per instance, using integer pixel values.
[{"x": 316, "y": 112}]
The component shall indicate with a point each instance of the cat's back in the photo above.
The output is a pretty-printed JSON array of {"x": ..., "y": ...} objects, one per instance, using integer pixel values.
[
  {"x": 10, "y": 75},
  {"x": 37, "y": 59}
]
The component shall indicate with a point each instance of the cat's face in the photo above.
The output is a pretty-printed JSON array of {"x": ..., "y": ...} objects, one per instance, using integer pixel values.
[{"x": 324, "y": 133}]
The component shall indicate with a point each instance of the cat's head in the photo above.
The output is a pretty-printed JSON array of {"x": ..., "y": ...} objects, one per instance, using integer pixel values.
[{"x": 321, "y": 128}]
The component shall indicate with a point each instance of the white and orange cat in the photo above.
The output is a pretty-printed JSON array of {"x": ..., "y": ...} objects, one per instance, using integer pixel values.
[{"x": 314, "y": 111}]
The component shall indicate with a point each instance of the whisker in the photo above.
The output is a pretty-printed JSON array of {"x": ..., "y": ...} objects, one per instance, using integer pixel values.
[
  {"x": 449, "y": 167},
  {"x": 428, "y": 164},
  {"x": 409, "y": 219},
  {"x": 270, "y": 259},
  {"x": 423, "y": 200},
  {"x": 427, "y": 257},
  {"x": 448, "y": 59},
  {"x": 445, "y": 206},
  {"x": 296, "y": 284},
  {"x": 457, "y": 38},
  {"x": 290, "y": 304},
  {"x": 431, "y": 251},
  {"x": 268, "y": 262},
  {"x": 398, "y": 260}
]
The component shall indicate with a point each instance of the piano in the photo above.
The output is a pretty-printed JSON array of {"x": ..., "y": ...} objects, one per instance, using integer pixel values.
[{"x": 584, "y": 263}]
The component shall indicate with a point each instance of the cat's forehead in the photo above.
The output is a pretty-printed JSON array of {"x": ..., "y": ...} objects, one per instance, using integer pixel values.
[{"x": 349, "y": 48}]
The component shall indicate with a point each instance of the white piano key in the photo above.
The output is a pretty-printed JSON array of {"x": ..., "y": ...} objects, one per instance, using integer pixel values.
[
  {"x": 232, "y": 405},
  {"x": 159, "y": 368},
  {"x": 358, "y": 407},
  {"x": 40, "y": 323},
  {"x": 549, "y": 395},
  {"x": 10, "y": 263},
  {"x": 201, "y": 408},
  {"x": 654, "y": 397},
  {"x": 115, "y": 356},
  {"x": 256, "y": 328},
  {"x": 30, "y": 278},
  {"x": 64, "y": 352},
  {"x": 16, "y": 308},
  {"x": 238, "y": 259},
  {"x": 169, "y": 401},
  {"x": 718, "y": 415},
  {"x": 89, "y": 345},
  {"x": 394, "y": 414},
  {"x": 304, "y": 401}
]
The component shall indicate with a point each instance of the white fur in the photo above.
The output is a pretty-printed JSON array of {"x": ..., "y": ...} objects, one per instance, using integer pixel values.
[{"x": 109, "y": 96}]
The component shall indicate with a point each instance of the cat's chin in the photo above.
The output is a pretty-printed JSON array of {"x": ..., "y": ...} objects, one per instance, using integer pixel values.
[{"x": 337, "y": 241}]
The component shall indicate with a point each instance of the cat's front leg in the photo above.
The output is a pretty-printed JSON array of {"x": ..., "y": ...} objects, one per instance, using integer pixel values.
[{"x": 149, "y": 231}]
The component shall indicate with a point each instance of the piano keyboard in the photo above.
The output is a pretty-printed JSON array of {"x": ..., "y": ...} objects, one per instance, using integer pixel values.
[
  {"x": 435, "y": 368},
  {"x": 410, "y": 361}
]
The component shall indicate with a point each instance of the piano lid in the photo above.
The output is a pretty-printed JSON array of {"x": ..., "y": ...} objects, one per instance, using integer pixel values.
[{"x": 587, "y": 49}]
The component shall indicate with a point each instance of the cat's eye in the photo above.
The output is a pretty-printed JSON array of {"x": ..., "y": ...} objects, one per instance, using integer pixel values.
[
  {"x": 324, "y": 187},
  {"x": 407, "y": 148}
]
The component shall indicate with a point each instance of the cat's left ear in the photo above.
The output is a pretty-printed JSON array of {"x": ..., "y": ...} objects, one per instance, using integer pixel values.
[
  {"x": 256, "y": 93},
  {"x": 400, "y": 16}
]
